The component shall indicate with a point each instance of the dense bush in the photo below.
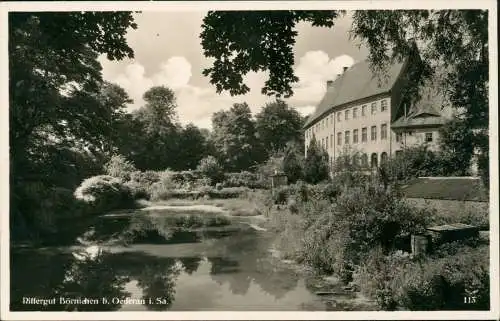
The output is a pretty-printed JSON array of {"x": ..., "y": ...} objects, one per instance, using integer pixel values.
[
  {"x": 340, "y": 232},
  {"x": 159, "y": 192},
  {"x": 435, "y": 283},
  {"x": 244, "y": 179},
  {"x": 145, "y": 178},
  {"x": 316, "y": 168},
  {"x": 118, "y": 166},
  {"x": 210, "y": 168},
  {"x": 293, "y": 163},
  {"x": 104, "y": 193}
]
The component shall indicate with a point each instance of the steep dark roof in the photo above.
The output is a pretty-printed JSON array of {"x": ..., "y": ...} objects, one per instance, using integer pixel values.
[
  {"x": 446, "y": 188},
  {"x": 357, "y": 83},
  {"x": 424, "y": 112},
  {"x": 420, "y": 120}
]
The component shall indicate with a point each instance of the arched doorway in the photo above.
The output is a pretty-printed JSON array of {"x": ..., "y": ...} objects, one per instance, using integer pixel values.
[
  {"x": 355, "y": 160},
  {"x": 374, "y": 160},
  {"x": 364, "y": 160},
  {"x": 383, "y": 158}
]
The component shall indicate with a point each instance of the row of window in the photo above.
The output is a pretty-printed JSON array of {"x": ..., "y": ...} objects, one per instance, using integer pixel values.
[
  {"x": 355, "y": 136},
  {"x": 347, "y": 115},
  {"x": 325, "y": 143},
  {"x": 428, "y": 137},
  {"x": 361, "y": 160}
]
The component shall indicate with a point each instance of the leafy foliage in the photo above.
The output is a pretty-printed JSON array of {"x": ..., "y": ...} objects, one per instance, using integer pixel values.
[
  {"x": 277, "y": 124},
  {"x": 234, "y": 138},
  {"x": 316, "y": 164},
  {"x": 104, "y": 193},
  {"x": 119, "y": 167},
  {"x": 210, "y": 168},
  {"x": 68, "y": 124},
  {"x": 456, "y": 147},
  {"x": 256, "y": 40},
  {"x": 293, "y": 163},
  {"x": 436, "y": 283}
]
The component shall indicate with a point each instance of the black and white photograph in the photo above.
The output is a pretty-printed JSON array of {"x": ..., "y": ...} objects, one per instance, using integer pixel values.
[{"x": 181, "y": 159}]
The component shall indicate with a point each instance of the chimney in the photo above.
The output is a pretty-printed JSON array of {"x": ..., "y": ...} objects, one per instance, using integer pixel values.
[
  {"x": 345, "y": 68},
  {"x": 329, "y": 83}
]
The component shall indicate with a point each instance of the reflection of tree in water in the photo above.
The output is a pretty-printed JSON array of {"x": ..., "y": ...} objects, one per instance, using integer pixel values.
[
  {"x": 249, "y": 262},
  {"x": 36, "y": 273},
  {"x": 224, "y": 270},
  {"x": 90, "y": 277},
  {"x": 190, "y": 264},
  {"x": 157, "y": 281}
]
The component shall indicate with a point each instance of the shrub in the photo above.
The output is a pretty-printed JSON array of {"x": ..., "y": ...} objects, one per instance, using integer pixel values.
[
  {"x": 293, "y": 163},
  {"x": 431, "y": 284},
  {"x": 147, "y": 177},
  {"x": 316, "y": 166},
  {"x": 104, "y": 193},
  {"x": 281, "y": 194},
  {"x": 243, "y": 179},
  {"x": 138, "y": 190},
  {"x": 339, "y": 235},
  {"x": 118, "y": 166},
  {"x": 210, "y": 168}
]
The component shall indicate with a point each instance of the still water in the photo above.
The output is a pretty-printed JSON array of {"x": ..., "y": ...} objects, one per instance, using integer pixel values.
[{"x": 136, "y": 262}]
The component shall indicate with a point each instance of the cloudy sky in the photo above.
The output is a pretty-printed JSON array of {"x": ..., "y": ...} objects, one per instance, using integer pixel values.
[{"x": 168, "y": 52}]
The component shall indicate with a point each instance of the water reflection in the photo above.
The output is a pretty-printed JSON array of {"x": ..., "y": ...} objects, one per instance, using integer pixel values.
[{"x": 143, "y": 263}]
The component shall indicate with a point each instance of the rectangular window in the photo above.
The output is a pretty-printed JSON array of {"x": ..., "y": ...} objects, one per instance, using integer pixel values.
[
  {"x": 338, "y": 116},
  {"x": 363, "y": 110},
  {"x": 355, "y": 112},
  {"x": 323, "y": 142},
  {"x": 374, "y": 133},
  {"x": 383, "y": 131},
  {"x": 331, "y": 118},
  {"x": 364, "y": 134},
  {"x": 339, "y": 138},
  {"x": 327, "y": 142},
  {"x": 428, "y": 137},
  {"x": 374, "y": 108},
  {"x": 399, "y": 137},
  {"x": 410, "y": 133},
  {"x": 347, "y": 114},
  {"x": 331, "y": 141},
  {"x": 383, "y": 105},
  {"x": 347, "y": 137},
  {"x": 355, "y": 136}
]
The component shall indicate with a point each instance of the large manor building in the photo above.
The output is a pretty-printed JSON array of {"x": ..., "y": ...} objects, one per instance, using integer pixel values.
[{"x": 368, "y": 117}]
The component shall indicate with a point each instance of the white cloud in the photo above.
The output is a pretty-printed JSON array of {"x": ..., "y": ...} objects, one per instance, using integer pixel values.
[
  {"x": 313, "y": 70},
  {"x": 174, "y": 73},
  {"x": 197, "y": 104}
]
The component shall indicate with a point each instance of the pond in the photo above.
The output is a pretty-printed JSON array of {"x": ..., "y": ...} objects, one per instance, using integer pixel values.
[{"x": 138, "y": 261}]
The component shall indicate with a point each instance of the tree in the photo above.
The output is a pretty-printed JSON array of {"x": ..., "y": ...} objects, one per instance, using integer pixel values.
[
  {"x": 56, "y": 103},
  {"x": 277, "y": 124},
  {"x": 193, "y": 146},
  {"x": 160, "y": 131},
  {"x": 316, "y": 163},
  {"x": 452, "y": 47},
  {"x": 234, "y": 137},
  {"x": 456, "y": 142},
  {"x": 293, "y": 162}
]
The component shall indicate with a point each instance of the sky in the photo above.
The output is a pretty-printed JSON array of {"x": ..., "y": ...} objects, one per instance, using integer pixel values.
[{"x": 168, "y": 52}]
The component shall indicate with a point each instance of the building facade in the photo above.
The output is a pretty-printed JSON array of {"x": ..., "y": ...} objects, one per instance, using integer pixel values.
[{"x": 369, "y": 119}]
